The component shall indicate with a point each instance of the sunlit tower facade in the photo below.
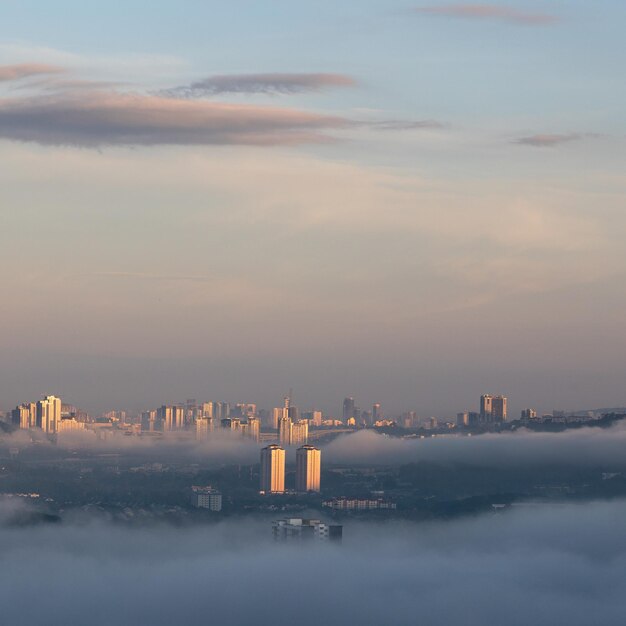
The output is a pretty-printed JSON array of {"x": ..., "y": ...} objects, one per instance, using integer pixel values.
[
  {"x": 49, "y": 414},
  {"x": 486, "y": 407},
  {"x": 308, "y": 468},
  {"x": 273, "y": 469}
]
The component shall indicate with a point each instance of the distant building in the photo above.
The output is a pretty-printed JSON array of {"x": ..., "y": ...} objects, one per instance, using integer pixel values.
[
  {"x": 377, "y": 413},
  {"x": 314, "y": 418},
  {"x": 25, "y": 415},
  {"x": 69, "y": 424},
  {"x": 277, "y": 414},
  {"x": 49, "y": 414},
  {"x": 245, "y": 410},
  {"x": 292, "y": 434},
  {"x": 358, "y": 504},
  {"x": 528, "y": 414},
  {"x": 486, "y": 407},
  {"x": 308, "y": 468},
  {"x": 206, "y": 498},
  {"x": 231, "y": 423},
  {"x": 348, "y": 409},
  {"x": 298, "y": 529},
  {"x": 498, "y": 409},
  {"x": 493, "y": 408},
  {"x": 172, "y": 417},
  {"x": 462, "y": 419},
  {"x": 204, "y": 427},
  {"x": 252, "y": 428},
  {"x": 299, "y": 433},
  {"x": 273, "y": 469},
  {"x": 284, "y": 430}
]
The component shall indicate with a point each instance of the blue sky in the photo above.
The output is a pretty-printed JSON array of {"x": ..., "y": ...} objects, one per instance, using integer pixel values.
[{"x": 449, "y": 224}]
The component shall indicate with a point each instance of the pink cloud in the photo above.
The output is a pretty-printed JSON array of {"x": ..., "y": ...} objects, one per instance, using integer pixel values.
[{"x": 24, "y": 70}]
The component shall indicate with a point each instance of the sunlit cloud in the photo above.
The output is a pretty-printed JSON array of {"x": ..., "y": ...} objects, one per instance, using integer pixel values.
[{"x": 25, "y": 70}]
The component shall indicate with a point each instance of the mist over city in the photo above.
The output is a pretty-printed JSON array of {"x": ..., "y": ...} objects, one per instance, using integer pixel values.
[{"x": 312, "y": 313}]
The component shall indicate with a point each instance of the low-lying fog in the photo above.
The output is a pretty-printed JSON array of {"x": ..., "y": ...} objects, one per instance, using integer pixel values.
[
  {"x": 588, "y": 446},
  {"x": 529, "y": 565}
]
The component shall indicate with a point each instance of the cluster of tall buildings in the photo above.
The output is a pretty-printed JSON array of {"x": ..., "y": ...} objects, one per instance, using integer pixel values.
[
  {"x": 49, "y": 415},
  {"x": 493, "y": 410},
  {"x": 354, "y": 416},
  {"x": 292, "y": 431},
  {"x": 308, "y": 469},
  {"x": 203, "y": 418}
]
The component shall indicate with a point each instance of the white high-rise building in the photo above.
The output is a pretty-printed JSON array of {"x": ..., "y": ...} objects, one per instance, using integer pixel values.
[
  {"x": 299, "y": 433},
  {"x": 204, "y": 427},
  {"x": 273, "y": 469},
  {"x": 308, "y": 468},
  {"x": 25, "y": 415},
  {"x": 49, "y": 414}
]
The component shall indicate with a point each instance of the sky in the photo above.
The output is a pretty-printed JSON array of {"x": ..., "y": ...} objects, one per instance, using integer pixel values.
[{"x": 409, "y": 203}]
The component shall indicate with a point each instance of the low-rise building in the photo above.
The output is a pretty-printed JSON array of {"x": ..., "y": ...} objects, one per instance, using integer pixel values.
[
  {"x": 299, "y": 529},
  {"x": 358, "y": 504},
  {"x": 206, "y": 498}
]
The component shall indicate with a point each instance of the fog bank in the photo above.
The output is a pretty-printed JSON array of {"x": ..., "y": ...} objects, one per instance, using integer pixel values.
[{"x": 544, "y": 565}]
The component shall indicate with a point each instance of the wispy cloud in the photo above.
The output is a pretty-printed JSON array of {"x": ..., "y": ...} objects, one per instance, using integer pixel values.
[
  {"x": 25, "y": 70},
  {"x": 548, "y": 141},
  {"x": 273, "y": 83},
  {"x": 488, "y": 12},
  {"x": 100, "y": 119},
  {"x": 407, "y": 125}
]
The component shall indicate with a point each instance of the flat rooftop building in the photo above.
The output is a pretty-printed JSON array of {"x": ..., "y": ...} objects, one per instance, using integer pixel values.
[{"x": 299, "y": 529}]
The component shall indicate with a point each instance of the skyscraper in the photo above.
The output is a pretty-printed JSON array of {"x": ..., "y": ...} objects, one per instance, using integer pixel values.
[
  {"x": 377, "y": 413},
  {"x": 308, "y": 467},
  {"x": 277, "y": 414},
  {"x": 49, "y": 414},
  {"x": 172, "y": 417},
  {"x": 273, "y": 469},
  {"x": 204, "y": 427},
  {"x": 498, "y": 409},
  {"x": 25, "y": 415},
  {"x": 493, "y": 408},
  {"x": 486, "y": 407},
  {"x": 348, "y": 409},
  {"x": 252, "y": 428},
  {"x": 299, "y": 433}
]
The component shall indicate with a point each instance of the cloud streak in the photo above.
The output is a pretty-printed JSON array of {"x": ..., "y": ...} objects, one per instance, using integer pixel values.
[
  {"x": 271, "y": 84},
  {"x": 101, "y": 119},
  {"x": 487, "y": 12},
  {"x": 401, "y": 125},
  {"x": 547, "y": 140},
  {"x": 25, "y": 70}
]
